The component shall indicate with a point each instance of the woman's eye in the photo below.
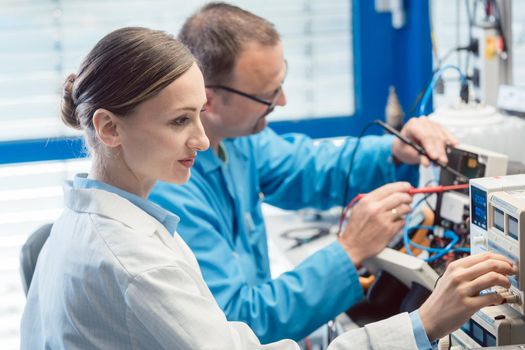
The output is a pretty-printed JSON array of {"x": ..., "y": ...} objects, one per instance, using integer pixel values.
[{"x": 180, "y": 121}]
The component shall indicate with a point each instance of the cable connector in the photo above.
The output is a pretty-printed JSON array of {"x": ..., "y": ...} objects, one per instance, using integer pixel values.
[
  {"x": 473, "y": 46},
  {"x": 464, "y": 91},
  {"x": 440, "y": 86}
]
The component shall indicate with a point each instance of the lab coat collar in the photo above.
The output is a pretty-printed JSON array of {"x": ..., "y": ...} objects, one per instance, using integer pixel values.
[
  {"x": 236, "y": 145},
  {"x": 209, "y": 161},
  {"x": 169, "y": 220},
  {"x": 104, "y": 203}
]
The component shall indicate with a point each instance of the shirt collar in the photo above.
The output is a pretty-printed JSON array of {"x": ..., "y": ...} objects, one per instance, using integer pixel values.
[
  {"x": 210, "y": 161},
  {"x": 167, "y": 219}
]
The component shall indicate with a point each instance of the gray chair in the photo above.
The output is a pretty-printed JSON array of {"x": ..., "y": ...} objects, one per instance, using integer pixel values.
[{"x": 29, "y": 254}]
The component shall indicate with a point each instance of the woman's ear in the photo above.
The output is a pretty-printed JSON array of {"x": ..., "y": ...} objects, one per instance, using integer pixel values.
[{"x": 105, "y": 124}]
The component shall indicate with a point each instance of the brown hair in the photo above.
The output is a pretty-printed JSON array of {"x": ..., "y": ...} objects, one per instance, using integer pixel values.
[
  {"x": 125, "y": 68},
  {"x": 217, "y": 33}
]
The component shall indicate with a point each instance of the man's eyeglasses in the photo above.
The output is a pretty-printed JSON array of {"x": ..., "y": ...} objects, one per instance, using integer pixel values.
[
  {"x": 269, "y": 103},
  {"x": 247, "y": 95}
]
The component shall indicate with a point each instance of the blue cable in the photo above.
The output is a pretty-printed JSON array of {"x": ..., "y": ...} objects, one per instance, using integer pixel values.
[
  {"x": 462, "y": 250},
  {"x": 446, "y": 249},
  {"x": 431, "y": 228},
  {"x": 406, "y": 229},
  {"x": 439, "y": 252},
  {"x": 433, "y": 82}
]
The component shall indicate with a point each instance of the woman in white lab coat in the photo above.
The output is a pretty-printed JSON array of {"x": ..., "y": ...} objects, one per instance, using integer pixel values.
[{"x": 114, "y": 274}]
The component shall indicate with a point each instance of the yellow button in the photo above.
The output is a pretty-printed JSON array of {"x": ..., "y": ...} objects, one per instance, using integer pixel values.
[{"x": 490, "y": 47}]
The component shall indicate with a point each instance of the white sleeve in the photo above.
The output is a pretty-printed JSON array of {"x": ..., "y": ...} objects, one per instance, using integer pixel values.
[
  {"x": 172, "y": 306},
  {"x": 390, "y": 334}
]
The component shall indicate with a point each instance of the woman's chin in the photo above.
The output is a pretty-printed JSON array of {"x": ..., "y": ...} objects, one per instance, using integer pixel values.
[{"x": 180, "y": 178}]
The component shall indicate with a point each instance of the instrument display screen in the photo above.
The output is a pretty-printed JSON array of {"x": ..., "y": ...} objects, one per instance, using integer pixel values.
[
  {"x": 513, "y": 227},
  {"x": 479, "y": 207},
  {"x": 498, "y": 219}
]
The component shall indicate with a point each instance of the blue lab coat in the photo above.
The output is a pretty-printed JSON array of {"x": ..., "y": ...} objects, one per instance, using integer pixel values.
[{"x": 222, "y": 222}]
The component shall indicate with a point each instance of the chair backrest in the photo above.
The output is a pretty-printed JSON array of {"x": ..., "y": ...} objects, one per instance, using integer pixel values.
[{"x": 29, "y": 254}]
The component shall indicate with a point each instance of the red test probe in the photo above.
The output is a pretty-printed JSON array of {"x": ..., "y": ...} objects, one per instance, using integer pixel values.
[{"x": 412, "y": 191}]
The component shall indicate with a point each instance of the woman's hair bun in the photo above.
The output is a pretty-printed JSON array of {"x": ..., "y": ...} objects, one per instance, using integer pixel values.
[{"x": 68, "y": 106}]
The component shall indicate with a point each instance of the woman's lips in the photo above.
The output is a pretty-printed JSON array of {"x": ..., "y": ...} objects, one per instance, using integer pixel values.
[{"x": 188, "y": 162}]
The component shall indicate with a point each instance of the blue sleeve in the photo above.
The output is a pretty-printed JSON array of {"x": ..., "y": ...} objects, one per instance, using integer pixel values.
[
  {"x": 295, "y": 172},
  {"x": 420, "y": 334},
  {"x": 290, "y": 306}
]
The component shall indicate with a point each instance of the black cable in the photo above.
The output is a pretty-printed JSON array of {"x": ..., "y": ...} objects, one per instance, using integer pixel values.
[
  {"x": 470, "y": 21},
  {"x": 299, "y": 236},
  {"x": 426, "y": 197},
  {"x": 419, "y": 97},
  {"x": 419, "y": 149},
  {"x": 348, "y": 177},
  {"x": 437, "y": 280},
  {"x": 450, "y": 52},
  {"x": 470, "y": 17}
]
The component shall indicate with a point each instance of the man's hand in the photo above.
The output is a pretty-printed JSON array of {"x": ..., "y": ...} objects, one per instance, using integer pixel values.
[
  {"x": 456, "y": 296},
  {"x": 431, "y": 136},
  {"x": 375, "y": 220}
]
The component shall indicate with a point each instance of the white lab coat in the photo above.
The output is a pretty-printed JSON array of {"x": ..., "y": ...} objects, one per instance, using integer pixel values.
[{"x": 110, "y": 276}]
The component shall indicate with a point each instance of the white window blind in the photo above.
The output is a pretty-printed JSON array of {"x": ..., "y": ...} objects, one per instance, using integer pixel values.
[
  {"x": 30, "y": 196},
  {"x": 41, "y": 41}
]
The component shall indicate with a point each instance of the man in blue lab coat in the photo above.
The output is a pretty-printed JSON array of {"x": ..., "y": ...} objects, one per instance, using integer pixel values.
[{"x": 220, "y": 207}]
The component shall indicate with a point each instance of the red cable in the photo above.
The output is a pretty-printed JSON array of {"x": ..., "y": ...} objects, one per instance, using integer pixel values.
[{"x": 412, "y": 191}]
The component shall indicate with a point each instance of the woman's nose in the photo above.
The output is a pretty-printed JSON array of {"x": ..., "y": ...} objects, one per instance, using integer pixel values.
[{"x": 199, "y": 141}]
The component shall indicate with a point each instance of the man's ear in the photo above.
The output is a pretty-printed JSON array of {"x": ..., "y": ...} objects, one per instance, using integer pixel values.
[
  {"x": 211, "y": 100},
  {"x": 105, "y": 124}
]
